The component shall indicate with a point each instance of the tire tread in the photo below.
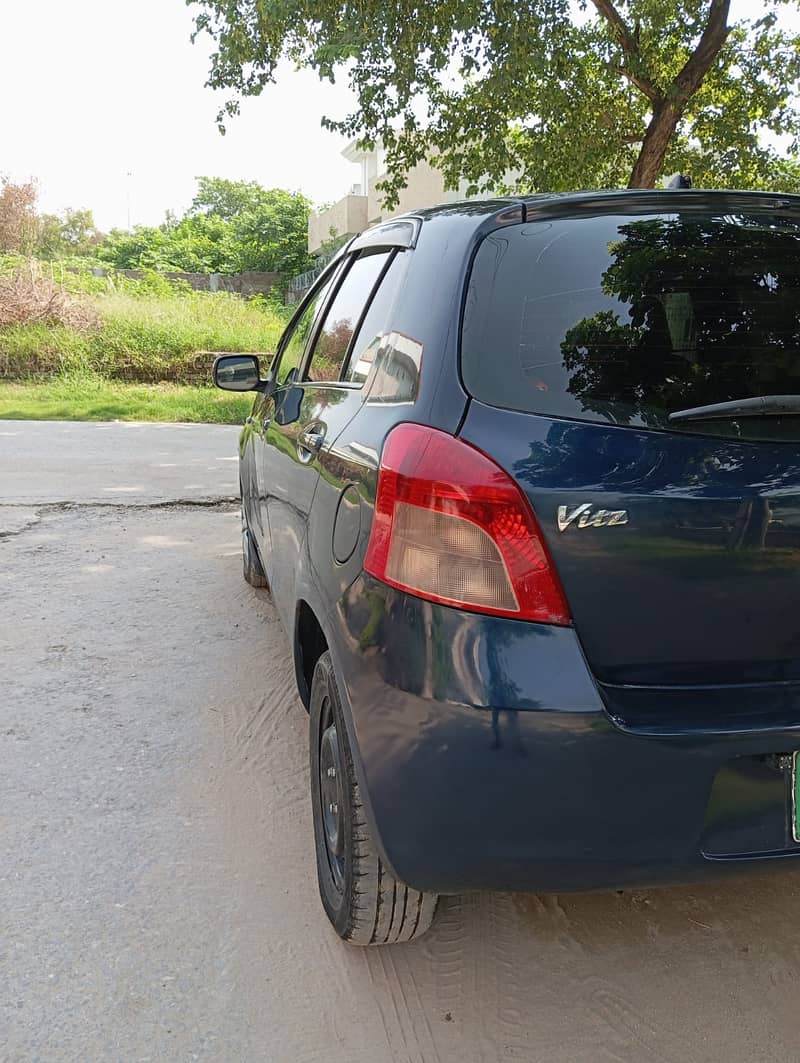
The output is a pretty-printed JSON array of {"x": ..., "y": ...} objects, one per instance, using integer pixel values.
[
  {"x": 382, "y": 910},
  {"x": 252, "y": 568}
]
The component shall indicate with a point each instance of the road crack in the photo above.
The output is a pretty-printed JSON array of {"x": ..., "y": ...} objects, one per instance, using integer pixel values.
[
  {"x": 16, "y": 518},
  {"x": 165, "y": 503},
  {"x": 14, "y": 523}
]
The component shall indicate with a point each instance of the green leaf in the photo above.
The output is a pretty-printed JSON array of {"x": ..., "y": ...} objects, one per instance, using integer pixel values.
[{"x": 557, "y": 97}]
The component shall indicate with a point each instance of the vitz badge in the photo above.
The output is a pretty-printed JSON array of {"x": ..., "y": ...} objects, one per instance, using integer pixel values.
[{"x": 582, "y": 517}]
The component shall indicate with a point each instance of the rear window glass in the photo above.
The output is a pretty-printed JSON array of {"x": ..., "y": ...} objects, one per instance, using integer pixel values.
[{"x": 625, "y": 319}]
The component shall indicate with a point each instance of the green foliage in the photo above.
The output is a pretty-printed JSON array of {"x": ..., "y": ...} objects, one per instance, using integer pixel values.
[
  {"x": 226, "y": 199},
  {"x": 143, "y": 336},
  {"x": 231, "y": 227},
  {"x": 23, "y": 231},
  {"x": 150, "y": 285},
  {"x": 77, "y": 276},
  {"x": 139, "y": 249},
  {"x": 86, "y": 396},
  {"x": 272, "y": 303},
  {"x": 72, "y": 233},
  {"x": 559, "y": 97}
]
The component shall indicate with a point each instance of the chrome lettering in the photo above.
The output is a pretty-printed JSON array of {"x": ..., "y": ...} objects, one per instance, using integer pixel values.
[{"x": 583, "y": 517}]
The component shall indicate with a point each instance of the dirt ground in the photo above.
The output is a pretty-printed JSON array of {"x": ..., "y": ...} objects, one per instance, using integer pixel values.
[{"x": 157, "y": 892}]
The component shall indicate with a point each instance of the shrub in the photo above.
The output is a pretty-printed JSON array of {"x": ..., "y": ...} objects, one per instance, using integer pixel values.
[
  {"x": 18, "y": 221},
  {"x": 141, "y": 336},
  {"x": 27, "y": 297}
]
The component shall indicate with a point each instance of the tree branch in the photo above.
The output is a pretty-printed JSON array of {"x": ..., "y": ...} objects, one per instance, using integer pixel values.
[
  {"x": 629, "y": 44},
  {"x": 618, "y": 24},
  {"x": 668, "y": 112},
  {"x": 715, "y": 34},
  {"x": 646, "y": 87}
]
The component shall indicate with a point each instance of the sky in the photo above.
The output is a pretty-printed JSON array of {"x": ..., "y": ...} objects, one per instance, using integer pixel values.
[
  {"x": 95, "y": 90},
  {"x": 105, "y": 104}
]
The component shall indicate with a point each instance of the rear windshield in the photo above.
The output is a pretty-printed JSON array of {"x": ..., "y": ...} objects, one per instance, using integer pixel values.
[{"x": 625, "y": 319}]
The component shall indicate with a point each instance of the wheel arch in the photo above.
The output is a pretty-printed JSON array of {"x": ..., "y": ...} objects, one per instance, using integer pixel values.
[{"x": 309, "y": 645}]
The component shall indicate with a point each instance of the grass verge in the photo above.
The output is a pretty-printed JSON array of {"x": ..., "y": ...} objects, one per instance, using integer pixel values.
[
  {"x": 143, "y": 337},
  {"x": 86, "y": 398}
]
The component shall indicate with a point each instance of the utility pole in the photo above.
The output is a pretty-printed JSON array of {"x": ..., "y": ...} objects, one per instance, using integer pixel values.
[{"x": 129, "y": 175}]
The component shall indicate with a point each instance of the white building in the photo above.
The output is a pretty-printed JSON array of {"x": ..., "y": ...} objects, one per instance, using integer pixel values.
[{"x": 362, "y": 205}]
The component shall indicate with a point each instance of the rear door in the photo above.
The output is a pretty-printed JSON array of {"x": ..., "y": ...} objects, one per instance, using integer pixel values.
[
  {"x": 309, "y": 410},
  {"x": 293, "y": 346},
  {"x": 382, "y": 367},
  {"x": 677, "y": 541}
]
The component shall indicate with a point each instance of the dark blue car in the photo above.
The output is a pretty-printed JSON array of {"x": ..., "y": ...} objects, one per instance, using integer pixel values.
[{"x": 523, "y": 479}]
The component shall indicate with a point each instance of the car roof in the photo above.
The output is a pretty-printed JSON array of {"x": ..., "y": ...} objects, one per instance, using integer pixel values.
[{"x": 609, "y": 200}]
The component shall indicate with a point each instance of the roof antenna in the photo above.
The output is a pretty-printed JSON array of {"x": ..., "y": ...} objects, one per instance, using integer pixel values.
[{"x": 680, "y": 180}]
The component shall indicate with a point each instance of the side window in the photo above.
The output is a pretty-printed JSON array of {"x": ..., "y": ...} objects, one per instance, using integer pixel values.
[
  {"x": 343, "y": 316},
  {"x": 376, "y": 320},
  {"x": 295, "y": 344}
]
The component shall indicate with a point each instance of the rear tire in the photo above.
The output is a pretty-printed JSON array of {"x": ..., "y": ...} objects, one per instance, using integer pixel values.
[
  {"x": 365, "y": 903},
  {"x": 251, "y": 563}
]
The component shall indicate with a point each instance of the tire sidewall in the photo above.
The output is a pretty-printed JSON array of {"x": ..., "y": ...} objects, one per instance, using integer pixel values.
[
  {"x": 252, "y": 567},
  {"x": 338, "y": 906},
  {"x": 248, "y": 560}
]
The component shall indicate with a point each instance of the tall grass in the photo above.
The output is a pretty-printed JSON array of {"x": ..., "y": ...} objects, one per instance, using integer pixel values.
[
  {"x": 133, "y": 351},
  {"x": 143, "y": 336}
]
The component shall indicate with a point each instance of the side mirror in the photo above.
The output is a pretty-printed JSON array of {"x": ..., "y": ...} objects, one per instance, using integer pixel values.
[{"x": 237, "y": 372}]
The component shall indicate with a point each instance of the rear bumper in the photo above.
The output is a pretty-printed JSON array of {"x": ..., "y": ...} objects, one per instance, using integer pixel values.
[{"x": 488, "y": 761}]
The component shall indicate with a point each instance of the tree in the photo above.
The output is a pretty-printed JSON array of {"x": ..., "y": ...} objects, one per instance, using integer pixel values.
[
  {"x": 622, "y": 90},
  {"x": 26, "y": 232},
  {"x": 142, "y": 248},
  {"x": 18, "y": 223},
  {"x": 268, "y": 227},
  {"x": 72, "y": 232},
  {"x": 230, "y": 227},
  {"x": 225, "y": 198}
]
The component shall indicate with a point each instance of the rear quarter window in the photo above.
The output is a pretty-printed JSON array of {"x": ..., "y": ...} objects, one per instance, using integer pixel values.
[{"x": 626, "y": 318}]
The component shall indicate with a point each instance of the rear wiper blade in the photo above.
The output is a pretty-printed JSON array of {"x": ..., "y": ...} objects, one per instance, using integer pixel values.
[{"x": 760, "y": 406}]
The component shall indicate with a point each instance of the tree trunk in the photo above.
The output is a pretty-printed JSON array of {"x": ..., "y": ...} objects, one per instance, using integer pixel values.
[
  {"x": 655, "y": 145},
  {"x": 667, "y": 106}
]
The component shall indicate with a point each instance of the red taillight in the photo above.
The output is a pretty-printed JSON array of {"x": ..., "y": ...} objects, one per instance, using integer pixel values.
[{"x": 452, "y": 526}]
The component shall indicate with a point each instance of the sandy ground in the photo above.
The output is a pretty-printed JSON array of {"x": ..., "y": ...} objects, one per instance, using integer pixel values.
[{"x": 157, "y": 893}]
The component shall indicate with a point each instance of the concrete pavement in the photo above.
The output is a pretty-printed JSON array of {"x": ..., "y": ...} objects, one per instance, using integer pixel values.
[
  {"x": 157, "y": 891},
  {"x": 122, "y": 461}
]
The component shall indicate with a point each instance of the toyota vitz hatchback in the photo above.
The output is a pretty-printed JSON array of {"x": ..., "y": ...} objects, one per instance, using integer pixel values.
[{"x": 523, "y": 479}]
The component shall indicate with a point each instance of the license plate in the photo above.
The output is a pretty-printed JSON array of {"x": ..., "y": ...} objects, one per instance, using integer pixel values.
[{"x": 796, "y": 797}]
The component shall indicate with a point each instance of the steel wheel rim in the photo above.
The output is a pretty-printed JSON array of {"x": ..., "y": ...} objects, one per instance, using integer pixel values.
[{"x": 330, "y": 789}]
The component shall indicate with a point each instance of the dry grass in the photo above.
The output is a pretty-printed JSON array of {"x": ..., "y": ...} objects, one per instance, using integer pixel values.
[
  {"x": 28, "y": 297},
  {"x": 140, "y": 336}
]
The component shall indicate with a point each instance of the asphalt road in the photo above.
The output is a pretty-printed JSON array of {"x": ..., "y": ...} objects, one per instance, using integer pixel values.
[
  {"x": 157, "y": 894},
  {"x": 125, "y": 461}
]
